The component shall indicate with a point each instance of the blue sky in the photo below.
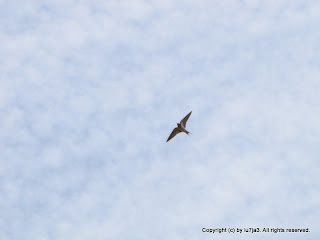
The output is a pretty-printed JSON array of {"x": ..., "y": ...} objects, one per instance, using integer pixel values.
[{"x": 90, "y": 91}]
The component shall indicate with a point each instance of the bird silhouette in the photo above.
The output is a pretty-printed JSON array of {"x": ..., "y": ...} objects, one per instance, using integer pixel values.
[{"x": 181, "y": 127}]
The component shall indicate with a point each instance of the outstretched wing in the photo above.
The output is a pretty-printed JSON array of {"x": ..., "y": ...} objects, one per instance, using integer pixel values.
[
  {"x": 183, "y": 122},
  {"x": 174, "y": 132}
]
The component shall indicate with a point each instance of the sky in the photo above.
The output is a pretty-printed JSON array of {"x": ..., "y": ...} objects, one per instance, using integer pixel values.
[{"x": 90, "y": 90}]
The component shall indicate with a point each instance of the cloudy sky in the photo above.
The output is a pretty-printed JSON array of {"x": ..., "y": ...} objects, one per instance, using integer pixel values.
[{"x": 91, "y": 89}]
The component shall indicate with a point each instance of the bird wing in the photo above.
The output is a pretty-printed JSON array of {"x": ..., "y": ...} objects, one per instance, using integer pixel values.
[
  {"x": 173, "y": 133},
  {"x": 183, "y": 122}
]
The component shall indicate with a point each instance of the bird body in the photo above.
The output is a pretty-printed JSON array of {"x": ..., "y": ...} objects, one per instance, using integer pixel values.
[{"x": 181, "y": 127}]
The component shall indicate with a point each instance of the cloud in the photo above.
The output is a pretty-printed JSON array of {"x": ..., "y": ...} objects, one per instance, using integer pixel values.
[{"x": 90, "y": 91}]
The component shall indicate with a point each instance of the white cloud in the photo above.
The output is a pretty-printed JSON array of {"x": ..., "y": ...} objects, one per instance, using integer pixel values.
[{"x": 90, "y": 92}]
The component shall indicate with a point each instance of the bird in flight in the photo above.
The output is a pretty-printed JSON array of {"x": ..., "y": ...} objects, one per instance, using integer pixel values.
[{"x": 181, "y": 127}]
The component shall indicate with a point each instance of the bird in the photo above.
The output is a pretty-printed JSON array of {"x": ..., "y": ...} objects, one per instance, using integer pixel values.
[{"x": 181, "y": 127}]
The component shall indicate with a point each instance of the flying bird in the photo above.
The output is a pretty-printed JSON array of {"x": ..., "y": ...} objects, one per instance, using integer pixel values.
[{"x": 181, "y": 127}]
